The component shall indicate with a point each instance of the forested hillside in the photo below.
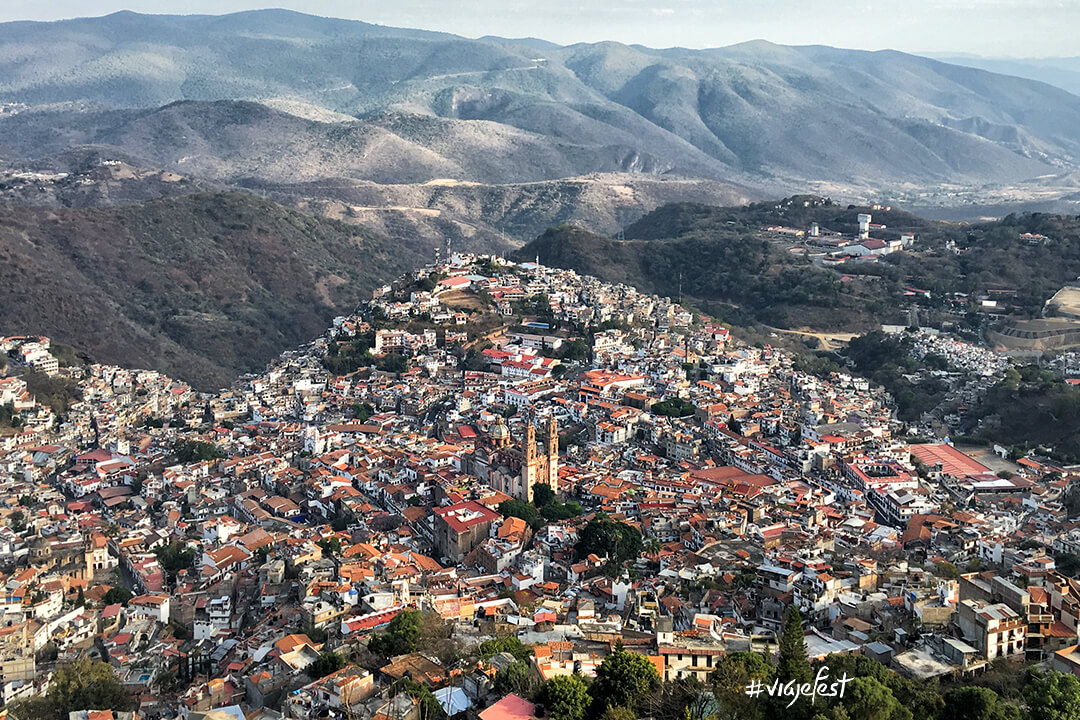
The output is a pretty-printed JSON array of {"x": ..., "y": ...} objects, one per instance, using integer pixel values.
[{"x": 201, "y": 286}]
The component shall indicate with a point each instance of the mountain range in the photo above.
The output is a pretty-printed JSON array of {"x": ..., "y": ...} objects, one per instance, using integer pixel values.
[
  {"x": 345, "y": 98},
  {"x": 1062, "y": 72}
]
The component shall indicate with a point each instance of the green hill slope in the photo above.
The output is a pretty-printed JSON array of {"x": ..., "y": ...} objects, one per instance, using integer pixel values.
[
  {"x": 723, "y": 260},
  {"x": 201, "y": 286}
]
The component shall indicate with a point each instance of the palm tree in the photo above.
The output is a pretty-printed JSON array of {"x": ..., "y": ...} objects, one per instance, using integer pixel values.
[{"x": 653, "y": 547}]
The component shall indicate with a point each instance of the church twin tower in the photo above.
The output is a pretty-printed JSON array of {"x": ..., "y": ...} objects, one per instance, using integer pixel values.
[
  {"x": 514, "y": 469},
  {"x": 537, "y": 467}
]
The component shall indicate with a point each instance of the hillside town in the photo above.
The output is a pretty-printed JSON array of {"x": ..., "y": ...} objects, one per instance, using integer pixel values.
[{"x": 492, "y": 475}]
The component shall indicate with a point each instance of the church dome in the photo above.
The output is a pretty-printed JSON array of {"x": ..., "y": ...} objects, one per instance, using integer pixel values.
[{"x": 500, "y": 432}]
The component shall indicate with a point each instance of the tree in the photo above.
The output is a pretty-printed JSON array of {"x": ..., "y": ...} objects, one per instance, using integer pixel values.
[
  {"x": 542, "y": 494},
  {"x": 401, "y": 636},
  {"x": 174, "y": 557},
  {"x": 867, "y": 699},
  {"x": 1052, "y": 696},
  {"x": 515, "y": 678},
  {"x": 674, "y": 407},
  {"x": 187, "y": 451},
  {"x": 653, "y": 547},
  {"x": 946, "y": 570},
  {"x": 794, "y": 663},
  {"x": 576, "y": 350},
  {"x": 429, "y": 706},
  {"x": 168, "y": 683},
  {"x": 729, "y": 680},
  {"x": 82, "y": 685},
  {"x": 18, "y": 521},
  {"x": 735, "y": 671},
  {"x": 1067, "y": 563},
  {"x": 922, "y": 698},
  {"x": 623, "y": 679},
  {"x": 330, "y": 545},
  {"x": 566, "y": 697},
  {"x": 685, "y": 698},
  {"x": 977, "y": 703},
  {"x": 609, "y": 538},
  {"x": 614, "y": 712},
  {"x": 326, "y": 664},
  {"x": 118, "y": 594},
  {"x": 556, "y": 511},
  {"x": 519, "y": 509},
  {"x": 394, "y": 363},
  {"x": 362, "y": 411},
  {"x": 80, "y": 599},
  {"x": 508, "y": 644}
]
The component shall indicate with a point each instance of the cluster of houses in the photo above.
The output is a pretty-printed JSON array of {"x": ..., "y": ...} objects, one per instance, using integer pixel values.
[{"x": 213, "y": 548}]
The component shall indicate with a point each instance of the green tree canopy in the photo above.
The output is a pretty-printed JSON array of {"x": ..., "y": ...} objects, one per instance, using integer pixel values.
[
  {"x": 515, "y": 678},
  {"x": 575, "y": 350},
  {"x": 187, "y": 451},
  {"x": 867, "y": 699},
  {"x": 508, "y": 644},
  {"x": 174, "y": 557},
  {"x": 922, "y": 697},
  {"x": 609, "y": 538},
  {"x": 674, "y": 407},
  {"x": 735, "y": 671},
  {"x": 542, "y": 494},
  {"x": 566, "y": 697},
  {"x": 326, "y": 664},
  {"x": 623, "y": 678},
  {"x": 330, "y": 545},
  {"x": 401, "y": 636},
  {"x": 556, "y": 510},
  {"x": 1052, "y": 696},
  {"x": 430, "y": 709},
  {"x": 394, "y": 362},
  {"x": 730, "y": 678},
  {"x": 520, "y": 509},
  {"x": 118, "y": 594},
  {"x": 82, "y": 685},
  {"x": 615, "y": 712},
  {"x": 976, "y": 703}
]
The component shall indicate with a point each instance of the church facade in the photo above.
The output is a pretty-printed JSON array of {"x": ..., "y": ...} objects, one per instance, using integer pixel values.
[{"x": 513, "y": 468}]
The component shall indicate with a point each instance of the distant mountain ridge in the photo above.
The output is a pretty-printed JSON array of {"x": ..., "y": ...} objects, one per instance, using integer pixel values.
[
  {"x": 496, "y": 110},
  {"x": 1060, "y": 72}
]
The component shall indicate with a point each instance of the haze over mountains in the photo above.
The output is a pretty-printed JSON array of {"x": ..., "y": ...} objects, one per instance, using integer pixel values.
[
  {"x": 433, "y": 105},
  {"x": 1062, "y": 72}
]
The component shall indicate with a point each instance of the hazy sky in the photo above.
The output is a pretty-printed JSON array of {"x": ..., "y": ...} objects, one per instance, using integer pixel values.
[{"x": 1002, "y": 28}]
